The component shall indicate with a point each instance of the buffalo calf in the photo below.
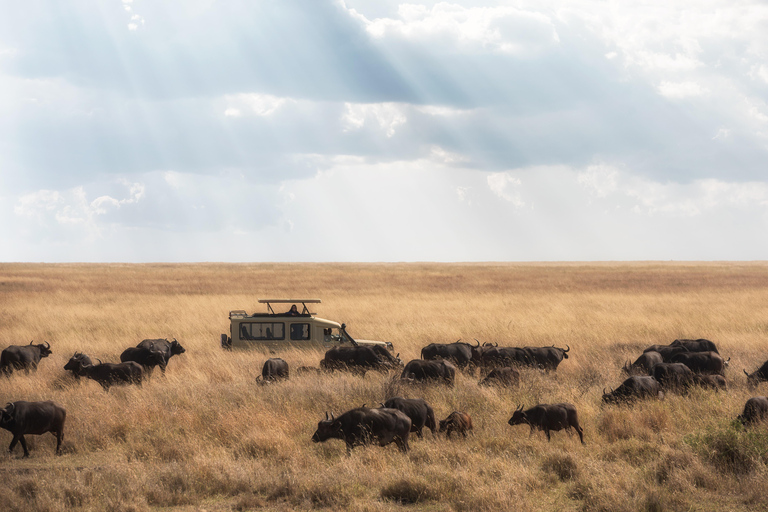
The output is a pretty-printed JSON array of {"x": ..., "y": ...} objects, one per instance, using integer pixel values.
[{"x": 458, "y": 422}]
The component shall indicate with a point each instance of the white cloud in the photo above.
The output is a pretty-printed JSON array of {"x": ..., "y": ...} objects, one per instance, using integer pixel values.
[
  {"x": 388, "y": 116},
  {"x": 257, "y": 104},
  {"x": 507, "y": 187},
  {"x": 468, "y": 29},
  {"x": 678, "y": 90},
  {"x": 600, "y": 179}
]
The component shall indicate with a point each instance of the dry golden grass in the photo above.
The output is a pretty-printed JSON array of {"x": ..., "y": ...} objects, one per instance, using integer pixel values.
[{"x": 206, "y": 436}]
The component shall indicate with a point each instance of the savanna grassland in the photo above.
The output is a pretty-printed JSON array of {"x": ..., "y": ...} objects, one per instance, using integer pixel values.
[{"x": 208, "y": 437}]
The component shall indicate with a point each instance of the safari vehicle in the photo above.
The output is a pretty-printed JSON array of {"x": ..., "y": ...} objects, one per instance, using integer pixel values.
[{"x": 294, "y": 328}]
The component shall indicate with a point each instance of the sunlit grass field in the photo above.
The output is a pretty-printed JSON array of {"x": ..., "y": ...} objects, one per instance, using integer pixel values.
[{"x": 206, "y": 436}]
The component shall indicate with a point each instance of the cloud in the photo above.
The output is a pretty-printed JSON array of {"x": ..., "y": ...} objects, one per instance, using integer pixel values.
[
  {"x": 387, "y": 115},
  {"x": 506, "y": 187}
]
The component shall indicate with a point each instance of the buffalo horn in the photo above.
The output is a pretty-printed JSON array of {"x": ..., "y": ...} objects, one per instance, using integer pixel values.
[
  {"x": 326, "y": 415},
  {"x": 48, "y": 345},
  {"x": 99, "y": 360},
  {"x": 496, "y": 344},
  {"x": 478, "y": 342},
  {"x": 9, "y": 408},
  {"x": 31, "y": 342},
  {"x": 569, "y": 348},
  {"x": 458, "y": 340},
  {"x": 332, "y": 417},
  {"x": 604, "y": 393},
  {"x": 745, "y": 373}
]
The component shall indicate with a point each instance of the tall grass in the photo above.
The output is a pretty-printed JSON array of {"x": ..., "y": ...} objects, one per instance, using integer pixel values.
[{"x": 206, "y": 435}]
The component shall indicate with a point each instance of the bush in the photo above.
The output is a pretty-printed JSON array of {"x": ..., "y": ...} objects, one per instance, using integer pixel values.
[{"x": 733, "y": 449}]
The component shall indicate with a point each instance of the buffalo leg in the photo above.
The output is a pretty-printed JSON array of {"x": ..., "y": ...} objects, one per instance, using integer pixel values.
[
  {"x": 402, "y": 444},
  {"x": 59, "y": 439},
  {"x": 548, "y": 436},
  {"x": 580, "y": 431}
]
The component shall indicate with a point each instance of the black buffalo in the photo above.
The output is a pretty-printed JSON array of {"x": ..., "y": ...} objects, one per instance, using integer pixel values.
[
  {"x": 504, "y": 356},
  {"x": 274, "y": 369},
  {"x": 419, "y": 370},
  {"x": 673, "y": 375},
  {"x": 644, "y": 363},
  {"x": 363, "y": 425},
  {"x": 457, "y": 421},
  {"x": 548, "y": 417},
  {"x": 146, "y": 357},
  {"x": 107, "y": 374},
  {"x": 420, "y": 412},
  {"x": 23, "y": 357},
  {"x": 716, "y": 382},
  {"x": 168, "y": 349},
  {"x": 702, "y": 362},
  {"x": 699, "y": 345},
  {"x": 458, "y": 353},
  {"x": 506, "y": 376},
  {"x": 758, "y": 376},
  {"x": 76, "y": 362},
  {"x": 547, "y": 358},
  {"x": 756, "y": 409},
  {"x": 360, "y": 359},
  {"x": 35, "y": 418},
  {"x": 636, "y": 386},
  {"x": 667, "y": 352}
]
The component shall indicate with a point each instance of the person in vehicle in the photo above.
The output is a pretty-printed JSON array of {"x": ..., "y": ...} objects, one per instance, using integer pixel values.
[{"x": 294, "y": 311}]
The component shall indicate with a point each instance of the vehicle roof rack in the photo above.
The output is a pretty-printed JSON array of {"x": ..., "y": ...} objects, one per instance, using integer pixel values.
[{"x": 304, "y": 302}]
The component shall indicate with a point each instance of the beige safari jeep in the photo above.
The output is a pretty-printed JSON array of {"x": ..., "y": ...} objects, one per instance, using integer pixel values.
[{"x": 297, "y": 327}]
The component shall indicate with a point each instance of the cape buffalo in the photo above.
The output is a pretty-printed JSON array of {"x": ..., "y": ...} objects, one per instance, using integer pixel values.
[
  {"x": 35, "y": 418},
  {"x": 457, "y": 352},
  {"x": 636, "y": 386},
  {"x": 417, "y": 409},
  {"x": 716, "y": 382},
  {"x": 644, "y": 363},
  {"x": 419, "y": 370},
  {"x": 76, "y": 362},
  {"x": 458, "y": 422},
  {"x": 699, "y": 345},
  {"x": 274, "y": 369},
  {"x": 548, "y": 417},
  {"x": 359, "y": 359},
  {"x": 702, "y": 362},
  {"x": 547, "y": 358},
  {"x": 504, "y": 356},
  {"x": 107, "y": 374},
  {"x": 672, "y": 375},
  {"x": 168, "y": 348},
  {"x": 667, "y": 352},
  {"x": 26, "y": 357},
  {"x": 506, "y": 376},
  {"x": 146, "y": 357},
  {"x": 756, "y": 409},
  {"x": 362, "y": 426},
  {"x": 758, "y": 376}
]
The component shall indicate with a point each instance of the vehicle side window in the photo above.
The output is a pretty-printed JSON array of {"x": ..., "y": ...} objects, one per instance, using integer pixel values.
[
  {"x": 299, "y": 331},
  {"x": 262, "y": 331}
]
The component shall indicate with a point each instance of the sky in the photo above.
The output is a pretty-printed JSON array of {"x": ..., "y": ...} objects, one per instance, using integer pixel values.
[{"x": 377, "y": 131}]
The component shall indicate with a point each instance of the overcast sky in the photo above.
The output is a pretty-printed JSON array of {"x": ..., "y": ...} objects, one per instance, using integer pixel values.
[{"x": 320, "y": 130}]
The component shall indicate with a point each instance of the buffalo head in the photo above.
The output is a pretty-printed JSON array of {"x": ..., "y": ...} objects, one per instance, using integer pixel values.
[
  {"x": 518, "y": 417},
  {"x": 327, "y": 429}
]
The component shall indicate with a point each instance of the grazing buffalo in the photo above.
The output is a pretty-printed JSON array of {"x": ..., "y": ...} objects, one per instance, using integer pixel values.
[
  {"x": 756, "y": 409},
  {"x": 419, "y": 370},
  {"x": 457, "y": 353},
  {"x": 636, "y": 386},
  {"x": 644, "y": 363},
  {"x": 417, "y": 409},
  {"x": 504, "y": 356},
  {"x": 548, "y": 417},
  {"x": 35, "y": 418},
  {"x": 506, "y": 376},
  {"x": 168, "y": 348},
  {"x": 363, "y": 426},
  {"x": 76, "y": 362},
  {"x": 667, "y": 352},
  {"x": 700, "y": 345},
  {"x": 26, "y": 357},
  {"x": 107, "y": 374},
  {"x": 673, "y": 375},
  {"x": 274, "y": 369},
  {"x": 547, "y": 358},
  {"x": 387, "y": 356},
  {"x": 360, "y": 359},
  {"x": 758, "y": 376},
  {"x": 146, "y": 357},
  {"x": 716, "y": 382},
  {"x": 458, "y": 422},
  {"x": 702, "y": 362}
]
